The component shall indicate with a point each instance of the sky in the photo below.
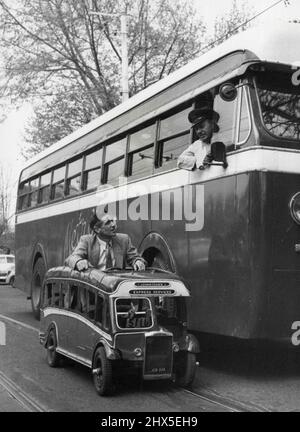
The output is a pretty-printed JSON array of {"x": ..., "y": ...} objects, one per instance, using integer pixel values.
[{"x": 11, "y": 131}]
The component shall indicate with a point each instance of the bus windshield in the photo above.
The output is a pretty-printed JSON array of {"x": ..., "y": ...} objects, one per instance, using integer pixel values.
[{"x": 280, "y": 104}]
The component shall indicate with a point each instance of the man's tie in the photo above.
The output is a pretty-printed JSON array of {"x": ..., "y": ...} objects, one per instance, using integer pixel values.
[{"x": 109, "y": 259}]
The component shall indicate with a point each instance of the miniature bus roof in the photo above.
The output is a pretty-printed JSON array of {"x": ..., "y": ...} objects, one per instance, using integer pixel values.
[
  {"x": 109, "y": 282},
  {"x": 278, "y": 45}
]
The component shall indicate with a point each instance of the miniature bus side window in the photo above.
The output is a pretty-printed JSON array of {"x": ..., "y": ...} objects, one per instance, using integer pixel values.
[
  {"x": 55, "y": 294},
  {"x": 73, "y": 297},
  {"x": 64, "y": 295},
  {"x": 99, "y": 310},
  {"x": 91, "y": 304},
  {"x": 47, "y": 294},
  {"x": 82, "y": 300}
]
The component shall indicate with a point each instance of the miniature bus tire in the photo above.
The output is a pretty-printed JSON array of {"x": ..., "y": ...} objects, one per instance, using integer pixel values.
[
  {"x": 12, "y": 282},
  {"x": 102, "y": 373},
  {"x": 53, "y": 358},
  {"x": 38, "y": 275},
  {"x": 186, "y": 371}
]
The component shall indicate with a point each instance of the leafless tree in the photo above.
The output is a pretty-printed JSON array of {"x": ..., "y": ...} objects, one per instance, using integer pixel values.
[{"x": 5, "y": 200}]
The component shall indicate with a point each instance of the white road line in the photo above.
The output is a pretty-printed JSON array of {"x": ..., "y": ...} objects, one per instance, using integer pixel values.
[{"x": 20, "y": 323}]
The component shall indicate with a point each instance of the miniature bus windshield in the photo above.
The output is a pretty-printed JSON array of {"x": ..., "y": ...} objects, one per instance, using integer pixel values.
[
  {"x": 279, "y": 99},
  {"x": 170, "y": 311},
  {"x": 134, "y": 313}
]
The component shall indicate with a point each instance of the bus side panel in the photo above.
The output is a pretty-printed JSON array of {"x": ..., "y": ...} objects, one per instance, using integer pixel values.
[
  {"x": 173, "y": 228},
  {"x": 219, "y": 270},
  {"x": 284, "y": 263}
]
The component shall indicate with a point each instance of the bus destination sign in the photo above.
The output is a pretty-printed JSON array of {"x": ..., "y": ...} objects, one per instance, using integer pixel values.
[{"x": 151, "y": 292}]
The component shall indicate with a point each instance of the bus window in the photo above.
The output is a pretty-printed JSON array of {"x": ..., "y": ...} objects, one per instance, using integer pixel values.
[
  {"x": 74, "y": 177},
  {"x": 92, "y": 170},
  {"x": 23, "y": 195},
  {"x": 23, "y": 202},
  {"x": 172, "y": 148},
  {"x": 245, "y": 123},
  {"x": 91, "y": 304},
  {"x": 44, "y": 192},
  {"x": 175, "y": 124},
  {"x": 33, "y": 196},
  {"x": 174, "y": 137},
  {"x": 227, "y": 111},
  {"x": 279, "y": 98},
  {"x": 57, "y": 190},
  {"x": 141, "y": 149},
  {"x": 115, "y": 160}
]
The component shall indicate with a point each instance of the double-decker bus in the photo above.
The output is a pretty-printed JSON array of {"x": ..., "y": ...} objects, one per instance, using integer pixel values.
[{"x": 236, "y": 246}]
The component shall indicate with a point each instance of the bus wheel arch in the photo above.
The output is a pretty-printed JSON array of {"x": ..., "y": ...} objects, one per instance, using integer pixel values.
[
  {"x": 38, "y": 273},
  {"x": 156, "y": 251}
]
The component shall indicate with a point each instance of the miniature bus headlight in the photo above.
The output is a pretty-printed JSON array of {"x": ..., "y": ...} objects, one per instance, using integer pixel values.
[
  {"x": 138, "y": 352},
  {"x": 295, "y": 207}
]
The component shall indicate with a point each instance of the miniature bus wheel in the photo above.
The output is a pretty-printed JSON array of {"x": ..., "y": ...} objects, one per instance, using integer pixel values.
[
  {"x": 186, "y": 369},
  {"x": 53, "y": 358},
  {"x": 38, "y": 275},
  {"x": 102, "y": 373}
]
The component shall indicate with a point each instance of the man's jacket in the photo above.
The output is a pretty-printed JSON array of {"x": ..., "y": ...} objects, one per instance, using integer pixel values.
[{"x": 88, "y": 248}]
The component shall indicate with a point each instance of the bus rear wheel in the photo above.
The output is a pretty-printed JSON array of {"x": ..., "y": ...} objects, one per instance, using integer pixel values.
[{"x": 38, "y": 275}]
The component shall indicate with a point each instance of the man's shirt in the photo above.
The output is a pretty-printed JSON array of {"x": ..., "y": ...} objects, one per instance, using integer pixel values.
[{"x": 193, "y": 156}]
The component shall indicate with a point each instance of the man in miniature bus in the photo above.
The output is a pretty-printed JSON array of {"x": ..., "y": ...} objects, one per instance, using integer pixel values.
[
  {"x": 198, "y": 155},
  {"x": 105, "y": 248}
]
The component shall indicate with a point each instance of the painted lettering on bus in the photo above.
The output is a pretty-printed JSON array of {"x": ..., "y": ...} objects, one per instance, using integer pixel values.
[
  {"x": 296, "y": 75},
  {"x": 296, "y": 335}
]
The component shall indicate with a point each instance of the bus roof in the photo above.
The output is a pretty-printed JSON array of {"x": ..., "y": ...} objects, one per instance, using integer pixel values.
[
  {"x": 261, "y": 43},
  {"x": 110, "y": 282}
]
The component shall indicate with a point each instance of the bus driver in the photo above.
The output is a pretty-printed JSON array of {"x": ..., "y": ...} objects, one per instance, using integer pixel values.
[{"x": 197, "y": 155}]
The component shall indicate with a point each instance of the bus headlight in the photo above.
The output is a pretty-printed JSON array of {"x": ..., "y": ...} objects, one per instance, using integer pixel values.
[{"x": 295, "y": 207}]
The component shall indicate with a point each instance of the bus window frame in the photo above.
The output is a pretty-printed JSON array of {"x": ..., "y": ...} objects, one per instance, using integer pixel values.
[
  {"x": 158, "y": 165},
  {"x": 52, "y": 185},
  {"x": 242, "y": 90},
  {"x": 84, "y": 188},
  {"x": 68, "y": 179}
]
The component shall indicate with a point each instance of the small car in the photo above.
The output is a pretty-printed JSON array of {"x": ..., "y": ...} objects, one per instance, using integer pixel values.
[
  {"x": 7, "y": 269},
  {"x": 118, "y": 321}
]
